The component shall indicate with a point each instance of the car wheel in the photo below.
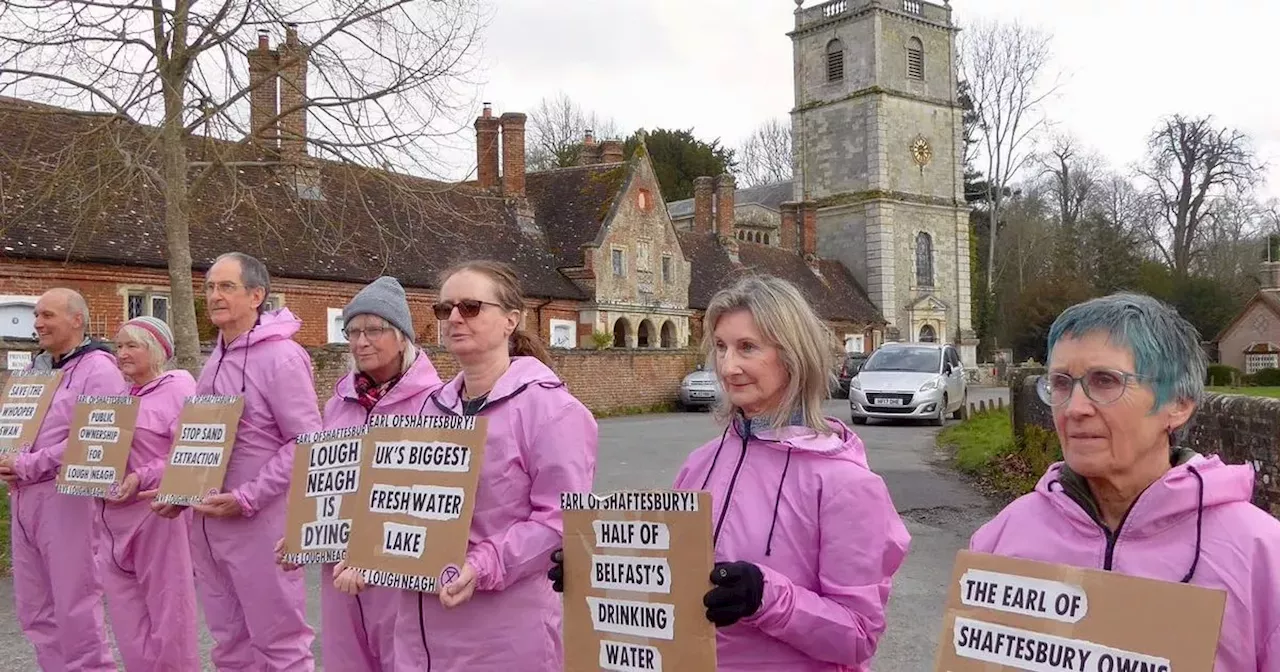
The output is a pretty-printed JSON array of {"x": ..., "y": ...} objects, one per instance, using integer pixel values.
[{"x": 941, "y": 418}]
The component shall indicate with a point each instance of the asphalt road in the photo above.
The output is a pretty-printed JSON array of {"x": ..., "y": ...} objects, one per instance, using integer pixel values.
[{"x": 939, "y": 508}]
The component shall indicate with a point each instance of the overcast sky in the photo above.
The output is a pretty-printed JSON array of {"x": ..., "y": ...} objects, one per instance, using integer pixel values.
[{"x": 723, "y": 66}]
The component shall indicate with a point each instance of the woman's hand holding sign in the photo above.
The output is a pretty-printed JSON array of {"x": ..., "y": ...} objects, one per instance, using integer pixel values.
[
  {"x": 128, "y": 487},
  {"x": 459, "y": 590},
  {"x": 737, "y": 595}
]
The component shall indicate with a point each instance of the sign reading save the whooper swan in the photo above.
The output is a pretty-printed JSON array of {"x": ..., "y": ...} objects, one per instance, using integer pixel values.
[
  {"x": 23, "y": 405},
  {"x": 1009, "y": 614}
]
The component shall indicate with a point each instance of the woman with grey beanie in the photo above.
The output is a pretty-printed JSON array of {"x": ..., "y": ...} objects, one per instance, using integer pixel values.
[{"x": 390, "y": 375}]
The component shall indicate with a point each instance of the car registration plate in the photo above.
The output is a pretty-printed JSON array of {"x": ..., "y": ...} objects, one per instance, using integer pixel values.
[{"x": 888, "y": 401}]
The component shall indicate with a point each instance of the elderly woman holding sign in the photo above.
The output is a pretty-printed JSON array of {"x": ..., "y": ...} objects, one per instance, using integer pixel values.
[
  {"x": 392, "y": 376},
  {"x": 806, "y": 537},
  {"x": 146, "y": 559},
  {"x": 500, "y": 615},
  {"x": 1127, "y": 498}
]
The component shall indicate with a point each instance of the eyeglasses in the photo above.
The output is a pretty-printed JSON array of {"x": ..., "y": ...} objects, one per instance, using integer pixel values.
[
  {"x": 1101, "y": 386},
  {"x": 467, "y": 308},
  {"x": 224, "y": 287},
  {"x": 373, "y": 333}
]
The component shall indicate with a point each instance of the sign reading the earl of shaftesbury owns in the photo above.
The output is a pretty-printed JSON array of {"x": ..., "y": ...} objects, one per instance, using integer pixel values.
[
  {"x": 417, "y": 486},
  {"x": 25, "y": 402},
  {"x": 636, "y": 566},
  {"x": 98, "y": 445},
  {"x": 322, "y": 495},
  {"x": 1009, "y": 614},
  {"x": 201, "y": 449}
]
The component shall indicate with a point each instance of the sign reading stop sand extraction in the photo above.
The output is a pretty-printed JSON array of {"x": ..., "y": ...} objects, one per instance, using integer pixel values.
[
  {"x": 201, "y": 449},
  {"x": 415, "y": 498},
  {"x": 98, "y": 445},
  {"x": 1007, "y": 614},
  {"x": 25, "y": 402},
  {"x": 636, "y": 565}
]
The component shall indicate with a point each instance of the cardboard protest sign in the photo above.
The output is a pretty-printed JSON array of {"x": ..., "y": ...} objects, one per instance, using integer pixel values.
[
  {"x": 98, "y": 445},
  {"x": 418, "y": 477},
  {"x": 1010, "y": 614},
  {"x": 201, "y": 449},
  {"x": 26, "y": 400},
  {"x": 636, "y": 565},
  {"x": 322, "y": 495}
]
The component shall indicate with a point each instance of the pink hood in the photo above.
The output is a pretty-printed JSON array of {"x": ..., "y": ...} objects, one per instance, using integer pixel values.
[
  {"x": 273, "y": 374},
  {"x": 1194, "y": 525},
  {"x": 409, "y": 396},
  {"x": 807, "y": 510},
  {"x": 161, "y": 402}
]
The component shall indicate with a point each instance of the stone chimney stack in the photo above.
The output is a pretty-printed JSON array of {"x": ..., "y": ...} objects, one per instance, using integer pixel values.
[
  {"x": 512, "y": 154},
  {"x": 611, "y": 151},
  {"x": 293, "y": 94},
  {"x": 725, "y": 190},
  {"x": 790, "y": 213},
  {"x": 590, "y": 153},
  {"x": 264, "y": 62},
  {"x": 487, "y": 148},
  {"x": 809, "y": 228},
  {"x": 703, "y": 187}
]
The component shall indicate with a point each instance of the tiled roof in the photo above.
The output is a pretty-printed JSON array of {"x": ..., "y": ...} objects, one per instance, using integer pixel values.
[
  {"x": 369, "y": 222},
  {"x": 835, "y": 295},
  {"x": 571, "y": 204},
  {"x": 767, "y": 195}
]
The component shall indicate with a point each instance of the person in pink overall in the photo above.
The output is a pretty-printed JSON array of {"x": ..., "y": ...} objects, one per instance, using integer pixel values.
[
  {"x": 807, "y": 539},
  {"x": 500, "y": 615},
  {"x": 146, "y": 559},
  {"x": 1126, "y": 497},
  {"x": 392, "y": 376},
  {"x": 256, "y": 613},
  {"x": 56, "y": 582}
]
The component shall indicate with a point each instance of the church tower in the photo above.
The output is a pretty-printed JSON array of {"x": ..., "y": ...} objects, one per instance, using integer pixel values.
[{"x": 878, "y": 146}]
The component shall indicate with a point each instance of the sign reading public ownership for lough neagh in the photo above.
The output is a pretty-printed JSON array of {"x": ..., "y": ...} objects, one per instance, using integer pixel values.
[
  {"x": 201, "y": 449},
  {"x": 98, "y": 445},
  {"x": 25, "y": 402},
  {"x": 322, "y": 495},
  {"x": 1005, "y": 614},
  {"x": 416, "y": 494},
  {"x": 636, "y": 566}
]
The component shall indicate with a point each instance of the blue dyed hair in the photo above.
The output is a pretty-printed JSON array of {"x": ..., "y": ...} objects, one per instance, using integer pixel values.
[{"x": 1166, "y": 348}]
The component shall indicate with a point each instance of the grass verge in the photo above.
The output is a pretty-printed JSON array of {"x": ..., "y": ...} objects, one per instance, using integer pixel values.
[
  {"x": 1272, "y": 392},
  {"x": 984, "y": 447}
]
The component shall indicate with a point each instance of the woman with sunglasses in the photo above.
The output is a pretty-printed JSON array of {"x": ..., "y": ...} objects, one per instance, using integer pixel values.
[
  {"x": 500, "y": 614},
  {"x": 390, "y": 376},
  {"x": 1126, "y": 373}
]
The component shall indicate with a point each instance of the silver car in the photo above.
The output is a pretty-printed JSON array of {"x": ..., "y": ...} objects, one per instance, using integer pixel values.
[
  {"x": 909, "y": 381},
  {"x": 699, "y": 389}
]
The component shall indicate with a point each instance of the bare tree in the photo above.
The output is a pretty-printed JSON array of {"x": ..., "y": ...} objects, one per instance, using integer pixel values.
[
  {"x": 1189, "y": 163},
  {"x": 766, "y": 155},
  {"x": 368, "y": 82},
  {"x": 1072, "y": 182},
  {"x": 557, "y": 129},
  {"x": 1004, "y": 65}
]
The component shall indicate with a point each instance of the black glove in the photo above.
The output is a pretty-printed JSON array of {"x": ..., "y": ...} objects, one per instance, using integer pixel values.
[
  {"x": 556, "y": 573},
  {"x": 738, "y": 592}
]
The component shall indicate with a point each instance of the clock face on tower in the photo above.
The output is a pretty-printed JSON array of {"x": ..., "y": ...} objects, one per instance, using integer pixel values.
[{"x": 921, "y": 151}]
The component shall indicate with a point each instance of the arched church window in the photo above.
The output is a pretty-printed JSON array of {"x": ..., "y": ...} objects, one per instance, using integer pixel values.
[
  {"x": 915, "y": 58},
  {"x": 835, "y": 61},
  {"x": 924, "y": 260}
]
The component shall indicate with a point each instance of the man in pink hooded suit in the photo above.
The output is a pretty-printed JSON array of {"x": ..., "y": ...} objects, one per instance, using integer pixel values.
[
  {"x": 57, "y": 585},
  {"x": 256, "y": 612}
]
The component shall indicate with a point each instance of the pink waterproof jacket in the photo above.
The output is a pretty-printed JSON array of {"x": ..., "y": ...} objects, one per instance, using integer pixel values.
[
  {"x": 274, "y": 376},
  {"x": 542, "y": 441},
  {"x": 161, "y": 404},
  {"x": 91, "y": 372},
  {"x": 1195, "y": 524},
  {"x": 808, "y": 511},
  {"x": 358, "y": 633}
]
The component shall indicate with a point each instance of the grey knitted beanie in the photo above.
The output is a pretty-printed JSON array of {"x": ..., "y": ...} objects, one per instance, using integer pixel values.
[{"x": 383, "y": 297}]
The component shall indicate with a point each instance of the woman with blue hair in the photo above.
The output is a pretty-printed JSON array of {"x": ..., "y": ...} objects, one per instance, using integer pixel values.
[{"x": 1127, "y": 498}]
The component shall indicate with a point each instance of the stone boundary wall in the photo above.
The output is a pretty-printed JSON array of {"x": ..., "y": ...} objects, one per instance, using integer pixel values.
[{"x": 1240, "y": 429}]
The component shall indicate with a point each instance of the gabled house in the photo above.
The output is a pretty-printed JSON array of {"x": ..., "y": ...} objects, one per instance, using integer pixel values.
[{"x": 1251, "y": 342}]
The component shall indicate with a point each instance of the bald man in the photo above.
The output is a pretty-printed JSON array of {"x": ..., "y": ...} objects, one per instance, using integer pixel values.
[{"x": 57, "y": 586}]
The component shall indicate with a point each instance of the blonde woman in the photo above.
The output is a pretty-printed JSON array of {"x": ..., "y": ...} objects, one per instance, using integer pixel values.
[{"x": 806, "y": 538}]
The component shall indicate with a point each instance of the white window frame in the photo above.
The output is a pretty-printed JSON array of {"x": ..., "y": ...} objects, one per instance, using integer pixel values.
[
  {"x": 149, "y": 297},
  {"x": 860, "y": 340},
  {"x": 335, "y": 325},
  {"x": 573, "y": 333},
  {"x": 1255, "y": 362},
  {"x": 622, "y": 265},
  {"x": 644, "y": 255},
  {"x": 668, "y": 269}
]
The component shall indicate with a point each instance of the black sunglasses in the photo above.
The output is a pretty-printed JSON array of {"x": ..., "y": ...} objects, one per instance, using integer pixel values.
[{"x": 467, "y": 308}]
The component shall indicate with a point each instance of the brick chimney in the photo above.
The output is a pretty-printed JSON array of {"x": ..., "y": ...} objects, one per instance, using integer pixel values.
[
  {"x": 512, "y": 154},
  {"x": 611, "y": 151},
  {"x": 725, "y": 189},
  {"x": 790, "y": 213},
  {"x": 590, "y": 153},
  {"x": 293, "y": 94},
  {"x": 809, "y": 228},
  {"x": 703, "y": 187},
  {"x": 264, "y": 128},
  {"x": 487, "y": 148}
]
